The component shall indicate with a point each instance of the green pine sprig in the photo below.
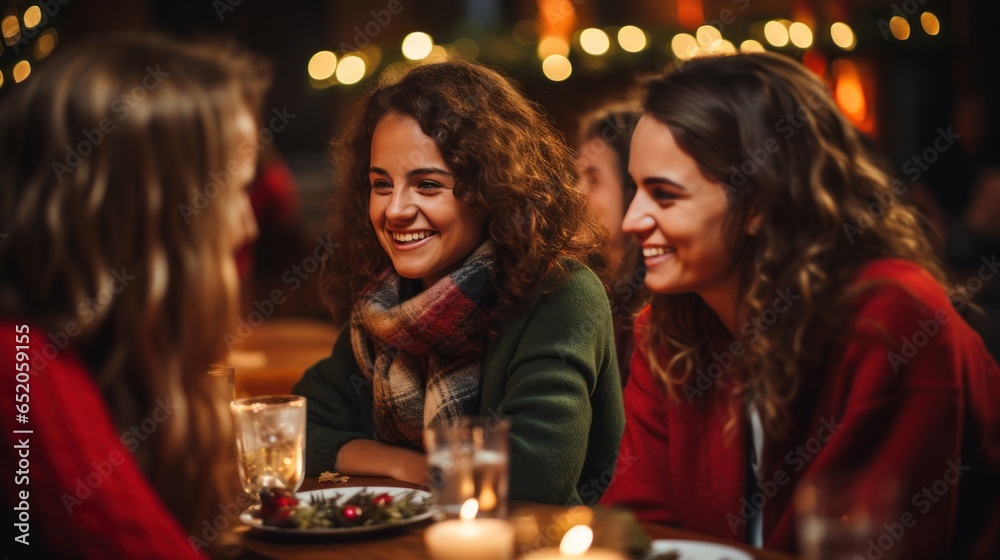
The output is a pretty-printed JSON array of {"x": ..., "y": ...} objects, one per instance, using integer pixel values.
[{"x": 328, "y": 513}]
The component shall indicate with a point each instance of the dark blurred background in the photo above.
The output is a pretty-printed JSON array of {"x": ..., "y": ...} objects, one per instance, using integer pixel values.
[{"x": 903, "y": 70}]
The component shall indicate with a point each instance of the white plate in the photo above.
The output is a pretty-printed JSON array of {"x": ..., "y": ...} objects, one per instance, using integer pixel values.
[
  {"x": 696, "y": 550},
  {"x": 341, "y": 494}
]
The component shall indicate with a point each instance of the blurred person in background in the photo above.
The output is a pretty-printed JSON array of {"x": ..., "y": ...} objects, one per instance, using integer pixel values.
[{"x": 602, "y": 160}]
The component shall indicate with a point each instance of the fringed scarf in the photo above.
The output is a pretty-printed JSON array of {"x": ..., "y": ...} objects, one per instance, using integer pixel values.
[{"x": 423, "y": 355}]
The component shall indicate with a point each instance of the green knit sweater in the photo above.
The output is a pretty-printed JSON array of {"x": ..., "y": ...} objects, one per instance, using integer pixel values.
[{"x": 552, "y": 370}]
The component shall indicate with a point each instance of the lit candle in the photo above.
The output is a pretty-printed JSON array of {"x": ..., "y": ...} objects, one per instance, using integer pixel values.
[
  {"x": 469, "y": 538},
  {"x": 576, "y": 545}
]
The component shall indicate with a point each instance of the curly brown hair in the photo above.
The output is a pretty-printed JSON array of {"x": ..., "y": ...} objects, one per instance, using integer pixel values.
[
  {"x": 509, "y": 162},
  {"x": 816, "y": 179}
]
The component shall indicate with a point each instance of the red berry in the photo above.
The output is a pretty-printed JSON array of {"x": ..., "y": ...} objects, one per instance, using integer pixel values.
[
  {"x": 273, "y": 499},
  {"x": 382, "y": 500},
  {"x": 351, "y": 514},
  {"x": 281, "y": 518}
]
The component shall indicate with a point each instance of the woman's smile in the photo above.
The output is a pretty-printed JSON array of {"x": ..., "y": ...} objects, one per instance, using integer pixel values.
[{"x": 424, "y": 228}]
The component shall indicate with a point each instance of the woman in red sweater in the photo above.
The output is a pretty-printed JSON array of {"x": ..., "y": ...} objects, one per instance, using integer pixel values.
[
  {"x": 124, "y": 164},
  {"x": 800, "y": 325}
]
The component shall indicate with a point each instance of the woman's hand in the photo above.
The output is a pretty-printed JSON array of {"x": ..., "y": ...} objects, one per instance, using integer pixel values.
[{"x": 364, "y": 457}]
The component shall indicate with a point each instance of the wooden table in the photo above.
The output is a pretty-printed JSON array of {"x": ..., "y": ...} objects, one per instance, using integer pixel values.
[
  {"x": 406, "y": 543},
  {"x": 275, "y": 355}
]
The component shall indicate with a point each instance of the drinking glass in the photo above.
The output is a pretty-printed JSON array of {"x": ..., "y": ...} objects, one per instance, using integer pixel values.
[
  {"x": 842, "y": 517},
  {"x": 270, "y": 441},
  {"x": 224, "y": 378},
  {"x": 542, "y": 528},
  {"x": 470, "y": 460}
]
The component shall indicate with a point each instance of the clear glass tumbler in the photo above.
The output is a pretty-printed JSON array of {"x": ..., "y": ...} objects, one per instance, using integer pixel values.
[{"x": 270, "y": 441}]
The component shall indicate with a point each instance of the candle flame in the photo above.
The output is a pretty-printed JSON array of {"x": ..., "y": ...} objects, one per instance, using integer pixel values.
[
  {"x": 488, "y": 498},
  {"x": 577, "y": 541},
  {"x": 469, "y": 509}
]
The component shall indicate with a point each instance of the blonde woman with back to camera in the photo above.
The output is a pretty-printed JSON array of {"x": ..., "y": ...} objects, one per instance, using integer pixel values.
[{"x": 120, "y": 294}]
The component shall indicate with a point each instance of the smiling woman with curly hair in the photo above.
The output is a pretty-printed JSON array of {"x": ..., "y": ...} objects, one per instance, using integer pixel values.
[{"x": 459, "y": 238}]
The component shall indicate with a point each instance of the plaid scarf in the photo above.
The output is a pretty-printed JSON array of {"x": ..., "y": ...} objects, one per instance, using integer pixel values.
[{"x": 422, "y": 355}]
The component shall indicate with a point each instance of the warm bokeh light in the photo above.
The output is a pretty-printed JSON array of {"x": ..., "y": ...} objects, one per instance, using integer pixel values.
[
  {"x": 721, "y": 46},
  {"x": 21, "y": 71},
  {"x": 690, "y": 13},
  {"x": 843, "y": 35},
  {"x": 417, "y": 45},
  {"x": 930, "y": 23},
  {"x": 322, "y": 65},
  {"x": 852, "y": 89},
  {"x": 775, "y": 33},
  {"x": 850, "y": 97},
  {"x": 800, "y": 35},
  {"x": 11, "y": 30},
  {"x": 438, "y": 54},
  {"x": 556, "y": 67},
  {"x": 594, "y": 41},
  {"x": 552, "y": 45},
  {"x": 814, "y": 60},
  {"x": 631, "y": 38},
  {"x": 556, "y": 17},
  {"x": 45, "y": 43},
  {"x": 751, "y": 46},
  {"x": 706, "y": 35},
  {"x": 32, "y": 16},
  {"x": 576, "y": 542},
  {"x": 683, "y": 45},
  {"x": 848, "y": 91},
  {"x": 900, "y": 28},
  {"x": 350, "y": 70},
  {"x": 1, "y": 79},
  {"x": 466, "y": 48},
  {"x": 469, "y": 509},
  {"x": 372, "y": 56}
]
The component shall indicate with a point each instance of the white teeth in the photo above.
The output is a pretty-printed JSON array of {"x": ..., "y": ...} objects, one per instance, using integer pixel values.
[
  {"x": 653, "y": 251},
  {"x": 404, "y": 237}
]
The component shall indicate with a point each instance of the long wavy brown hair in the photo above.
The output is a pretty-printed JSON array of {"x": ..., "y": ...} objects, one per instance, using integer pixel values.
[
  {"x": 768, "y": 131},
  {"x": 107, "y": 157},
  {"x": 509, "y": 161}
]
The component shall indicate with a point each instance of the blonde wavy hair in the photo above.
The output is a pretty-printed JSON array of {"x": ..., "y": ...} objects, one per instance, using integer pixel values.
[
  {"x": 106, "y": 157},
  {"x": 768, "y": 131}
]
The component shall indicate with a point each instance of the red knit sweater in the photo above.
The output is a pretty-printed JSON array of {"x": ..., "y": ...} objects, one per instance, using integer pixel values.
[
  {"x": 79, "y": 487},
  {"x": 917, "y": 408}
]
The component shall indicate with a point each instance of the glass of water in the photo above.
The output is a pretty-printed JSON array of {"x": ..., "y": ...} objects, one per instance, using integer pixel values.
[
  {"x": 270, "y": 441},
  {"x": 848, "y": 515},
  {"x": 223, "y": 380},
  {"x": 470, "y": 460}
]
